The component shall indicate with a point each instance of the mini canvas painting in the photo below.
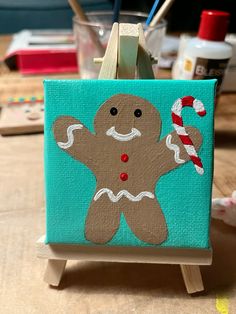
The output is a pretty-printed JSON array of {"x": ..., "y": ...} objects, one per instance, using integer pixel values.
[
  {"x": 129, "y": 162},
  {"x": 22, "y": 115}
]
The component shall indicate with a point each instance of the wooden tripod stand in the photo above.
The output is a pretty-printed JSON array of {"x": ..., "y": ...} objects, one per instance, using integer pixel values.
[{"x": 126, "y": 56}]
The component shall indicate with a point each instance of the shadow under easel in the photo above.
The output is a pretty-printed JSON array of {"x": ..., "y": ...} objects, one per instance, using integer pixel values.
[
  {"x": 221, "y": 276},
  {"x": 125, "y": 278},
  {"x": 157, "y": 279}
]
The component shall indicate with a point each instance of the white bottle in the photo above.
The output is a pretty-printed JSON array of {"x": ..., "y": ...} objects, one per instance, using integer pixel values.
[
  {"x": 207, "y": 55},
  {"x": 178, "y": 64},
  {"x": 229, "y": 84}
]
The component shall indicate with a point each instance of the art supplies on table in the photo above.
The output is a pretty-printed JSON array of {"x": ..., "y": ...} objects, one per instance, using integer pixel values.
[
  {"x": 153, "y": 20},
  {"x": 101, "y": 24},
  {"x": 42, "y": 51},
  {"x": 116, "y": 11},
  {"x": 207, "y": 55},
  {"x": 152, "y": 12},
  {"x": 169, "y": 50},
  {"x": 22, "y": 115},
  {"x": 178, "y": 63},
  {"x": 229, "y": 83},
  {"x": 82, "y": 17}
]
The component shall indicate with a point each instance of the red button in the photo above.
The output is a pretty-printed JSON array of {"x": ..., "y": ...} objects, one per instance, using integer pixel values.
[
  {"x": 124, "y": 176},
  {"x": 124, "y": 157}
]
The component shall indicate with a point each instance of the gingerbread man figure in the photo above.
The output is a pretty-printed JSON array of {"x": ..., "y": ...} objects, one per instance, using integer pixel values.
[{"x": 127, "y": 158}]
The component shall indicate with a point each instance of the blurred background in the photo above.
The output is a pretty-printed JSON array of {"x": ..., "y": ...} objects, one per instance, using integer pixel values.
[{"x": 16, "y": 15}]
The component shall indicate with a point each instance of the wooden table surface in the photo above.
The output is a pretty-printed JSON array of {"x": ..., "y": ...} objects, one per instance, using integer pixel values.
[{"x": 96, "y": 287}]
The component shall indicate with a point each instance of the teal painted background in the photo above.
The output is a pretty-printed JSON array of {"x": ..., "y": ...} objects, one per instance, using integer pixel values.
[{"x": 184, "y": 195}]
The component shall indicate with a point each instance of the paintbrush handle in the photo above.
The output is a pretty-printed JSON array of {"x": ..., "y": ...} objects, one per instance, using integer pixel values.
[
  {"x": 116, "y": 11},
  {"x": 162, "y": 12},
  {"x": 75, "y": 6},
  {"x": 82, "y": 17}
]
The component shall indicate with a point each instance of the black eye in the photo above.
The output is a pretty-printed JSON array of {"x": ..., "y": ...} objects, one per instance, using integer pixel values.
[
  {"x": 113, "y": 111},
  {"x": 138, "y": 113}
]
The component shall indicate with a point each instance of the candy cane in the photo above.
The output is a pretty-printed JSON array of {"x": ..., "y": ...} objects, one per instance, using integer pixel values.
[{"x": 197, "y": 105}]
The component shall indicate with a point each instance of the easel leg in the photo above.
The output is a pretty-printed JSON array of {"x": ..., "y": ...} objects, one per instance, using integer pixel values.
[
  {"x": 54, "y": 271},
  {"x": 192, "y": 278}
]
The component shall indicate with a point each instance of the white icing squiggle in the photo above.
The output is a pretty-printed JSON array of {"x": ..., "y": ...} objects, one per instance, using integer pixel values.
[
  {"x": 70, "y": 136},
  {"x": 175, "y": 148},
  {"x": 123, "y": 137},
  {"x": 116, "y": 198}
]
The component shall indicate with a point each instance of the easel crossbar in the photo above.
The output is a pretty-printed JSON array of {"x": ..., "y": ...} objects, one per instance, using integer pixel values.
[{"x": 124, "y": 254}]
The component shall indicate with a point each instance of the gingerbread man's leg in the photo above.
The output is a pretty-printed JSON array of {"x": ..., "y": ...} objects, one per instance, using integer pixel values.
[
  {"x": 102, "y": 221},
  {"x": 146, "y": 220}
]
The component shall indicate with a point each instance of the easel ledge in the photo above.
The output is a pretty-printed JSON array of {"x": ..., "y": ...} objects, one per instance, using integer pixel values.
[
  {"x": 160, "y": 255},
  {"x": 188, "y": 259}
]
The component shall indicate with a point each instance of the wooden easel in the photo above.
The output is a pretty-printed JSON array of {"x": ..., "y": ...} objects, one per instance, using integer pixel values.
[{"x": 126, "y": 55}]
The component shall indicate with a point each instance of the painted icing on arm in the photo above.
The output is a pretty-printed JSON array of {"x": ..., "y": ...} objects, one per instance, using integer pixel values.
[
  {"x": 175, "y": 148},
  {"x": 171, "y": 152},
  {"x": 70, "y": 136},
  {"x": 75, "y": 139}
]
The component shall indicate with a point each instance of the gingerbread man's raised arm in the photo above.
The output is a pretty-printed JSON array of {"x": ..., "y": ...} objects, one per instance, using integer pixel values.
[
  {"x": 75, "y": 139},
  {"x": 172, "y": 152}
]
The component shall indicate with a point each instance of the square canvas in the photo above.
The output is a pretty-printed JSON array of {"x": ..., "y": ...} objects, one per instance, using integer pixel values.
[{"x": 129, "y": 162}]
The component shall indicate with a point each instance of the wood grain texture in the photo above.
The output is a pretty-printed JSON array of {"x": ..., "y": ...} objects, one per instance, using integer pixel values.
[
  {"x": 127, "y": 50},
  {"x": 54, "y": 271},
  {"x": 109, "y": 62},
  {"x": 192, "y": 278},
  {"x": 144, "y": 64},
  {"x": 123, "y": 254},
  {"x": 101, "y": 287}
]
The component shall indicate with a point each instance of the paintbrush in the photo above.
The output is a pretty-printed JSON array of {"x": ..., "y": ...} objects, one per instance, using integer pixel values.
[
  {"x": 116, "y": 11},
  {"x": 75, "y": 6},
  {"x": 161, "y": 12},
  {"x": 152, "y": 12}
]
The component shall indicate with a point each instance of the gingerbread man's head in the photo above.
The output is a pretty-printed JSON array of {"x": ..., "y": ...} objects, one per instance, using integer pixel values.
[{"x": 125, "y": 117}]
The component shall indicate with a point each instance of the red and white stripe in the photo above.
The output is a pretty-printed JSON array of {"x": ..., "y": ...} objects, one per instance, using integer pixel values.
[{"x": 197, "y": 105}]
